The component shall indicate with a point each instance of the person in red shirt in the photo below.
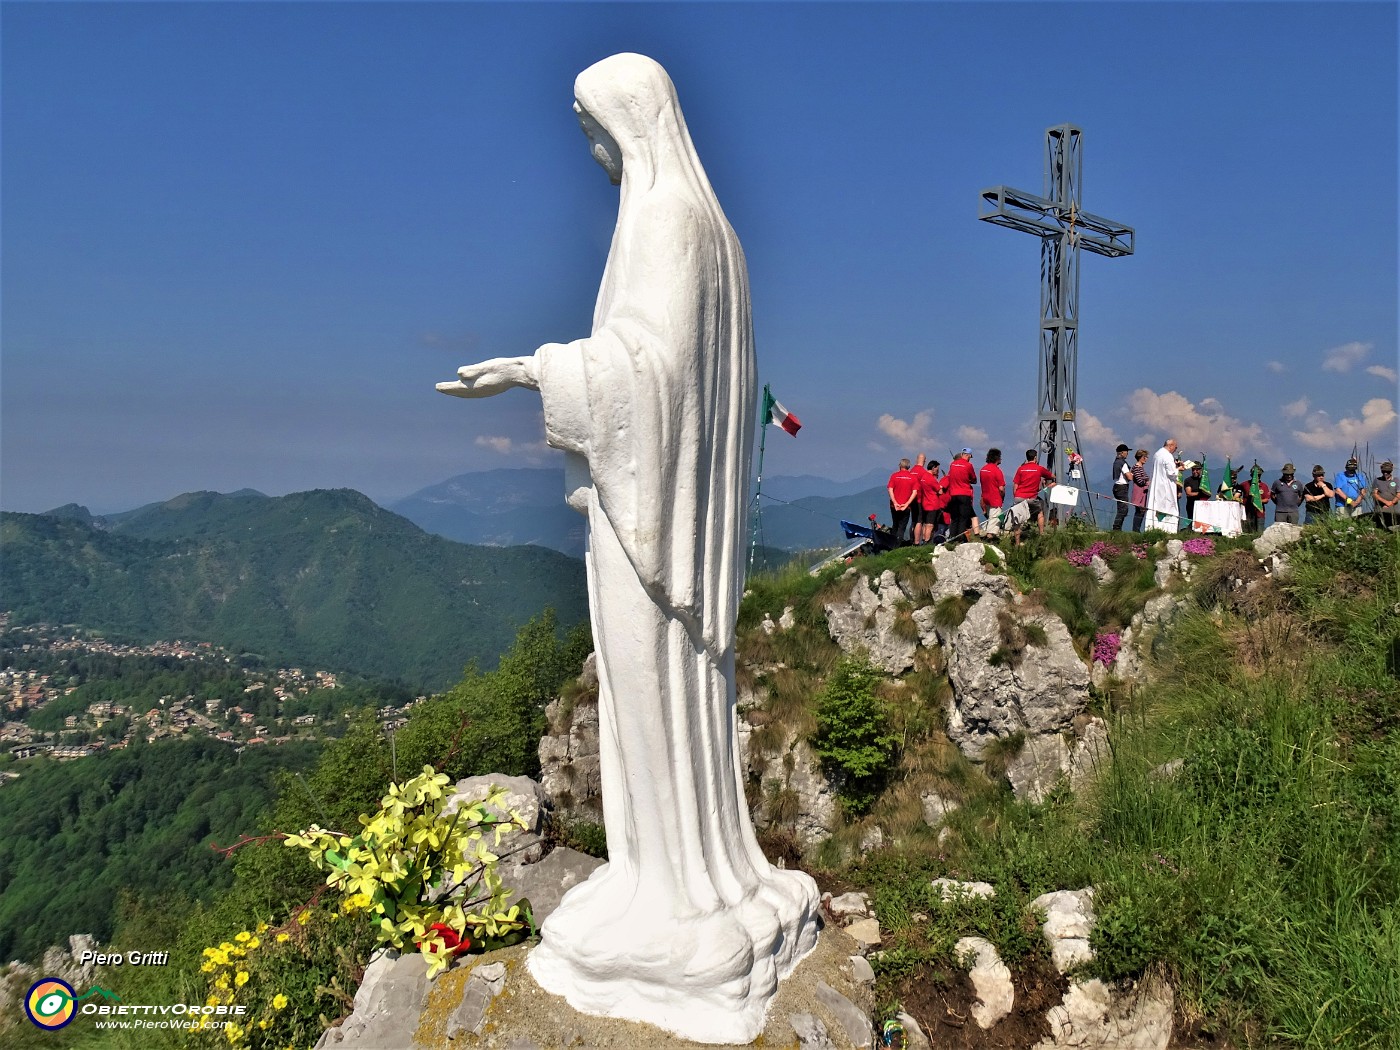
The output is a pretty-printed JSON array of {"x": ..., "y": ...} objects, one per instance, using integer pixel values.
[
  {"x": 918, "y": 521},
  {"x": 1026, "y": 483},
  {"x": 962, "y": 477},
  {"x": 930, "y": 503},
  {"x": 993, "y": 483},
  {"x": 903, "y": 488}
]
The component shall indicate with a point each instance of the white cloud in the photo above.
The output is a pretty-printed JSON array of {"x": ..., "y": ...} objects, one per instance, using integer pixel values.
[
  {"x": 1296, "y": 409},
  {"x": 510, "y": 447},
  {"x": 1343, "y": 358},
  {"x": 1277, "y": 367},
  {"x": 1385, "y": 373},
  {"x": 976, "y": 437},
  {"x": 1195, "y": 426},
  {"x": 1377, "y": 420},
  {"x": 1092, "y": 431},
  {"x": 913, "y": 435}
]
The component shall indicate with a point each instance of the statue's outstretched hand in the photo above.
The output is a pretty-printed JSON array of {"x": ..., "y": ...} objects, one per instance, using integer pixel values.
[{"x": 492, "y": 377}]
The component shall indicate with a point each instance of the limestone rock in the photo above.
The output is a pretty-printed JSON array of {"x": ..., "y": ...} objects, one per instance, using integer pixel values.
[
  {"x": 570, "y": 775},
  {"x": 1171, "y": 769},
  {"x": 546, "y": 881},
  {"x": 485, "y": 984},
  {"x": 990, "y": 979},
  {"x": 961, "y": 571},
  {"x": 787, "y": 621},
  {"x": 914, "y": 1038},
  {"x": 1096, "y": 1015},
  {"x": 1102, "y": 573},
  {"x": 1276, "y": 537},
  {"x": 1040, "y": 695},
  {"x": 1069, "y": 918},
  {"x": 768, "y": 626},
  {"x": 866, "y": 619},
  {"x": 1089, "y": 752},
  {"x": 1038, "y": 767},
  {"x": 862, "y": 972},
  {"x": 866, "y": 933},
  {"x": 793, "y": 768},
  {"x": 848, "y": 907},
  {"x": 871, "y": 839},
  {"x": 936, "y": 808},
  {"x": 387, "y": 1006},
  {"x": 853, "y": 1020},
  {"x": 811, "y": 1033},
  {"x": 523, "y": 797},
  {"x": 952, "y": 889}
]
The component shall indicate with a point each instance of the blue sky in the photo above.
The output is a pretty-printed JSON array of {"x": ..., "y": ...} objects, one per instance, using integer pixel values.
[{"x": 241, "y": 242}]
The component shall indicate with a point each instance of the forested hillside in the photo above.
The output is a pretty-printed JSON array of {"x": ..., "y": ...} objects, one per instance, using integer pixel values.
[
  {"x": 79, "y": 835},
  {"x": 325, "y": 578}
]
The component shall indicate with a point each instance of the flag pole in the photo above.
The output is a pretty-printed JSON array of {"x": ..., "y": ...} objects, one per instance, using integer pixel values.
[{"x": 757, "y": 514}]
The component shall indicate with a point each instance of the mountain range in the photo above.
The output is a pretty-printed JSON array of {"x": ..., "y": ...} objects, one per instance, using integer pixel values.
[
  {"x": 523, "y": 505},
  {"x": 324, "y": 579}
]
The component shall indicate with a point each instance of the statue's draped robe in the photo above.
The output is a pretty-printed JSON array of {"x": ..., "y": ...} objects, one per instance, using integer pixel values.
[
  {"x": 1162, "y": 505},
  {"x": 688, "y": 926}
]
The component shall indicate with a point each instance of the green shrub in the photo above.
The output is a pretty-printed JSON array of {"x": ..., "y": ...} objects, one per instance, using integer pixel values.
[{"x": 854, "y": 735}]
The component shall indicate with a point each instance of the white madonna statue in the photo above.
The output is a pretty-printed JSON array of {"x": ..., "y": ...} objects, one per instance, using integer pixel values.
[{"x": 687, "y": 926}]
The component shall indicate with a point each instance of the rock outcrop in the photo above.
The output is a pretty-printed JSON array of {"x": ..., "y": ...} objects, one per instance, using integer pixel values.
[
  {"x": 868, "y": 620},
  {"x": 1099, "y": 1016},
  {"x": 793, "y": 789},
  {"x": 570, "y": 775}
]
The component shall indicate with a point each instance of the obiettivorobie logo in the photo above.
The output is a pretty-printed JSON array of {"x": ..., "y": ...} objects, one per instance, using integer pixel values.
[{"x": 52, "y": 1003}]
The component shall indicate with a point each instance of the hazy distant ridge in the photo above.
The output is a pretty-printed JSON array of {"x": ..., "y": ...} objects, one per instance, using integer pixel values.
[{"x": 323, "y": 578}]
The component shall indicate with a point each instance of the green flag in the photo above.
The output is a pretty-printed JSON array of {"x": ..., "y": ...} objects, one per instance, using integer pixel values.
[
  {"x": 1229, "y": 481},
  {"x": 1205, "y": 475},
  {"x": 1256, "y": 496}
]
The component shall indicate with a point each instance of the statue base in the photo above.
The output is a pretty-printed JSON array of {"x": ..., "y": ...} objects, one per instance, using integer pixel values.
[
  {"x": 709, "y": 977},
  {"x": 526, "y": 1017}
]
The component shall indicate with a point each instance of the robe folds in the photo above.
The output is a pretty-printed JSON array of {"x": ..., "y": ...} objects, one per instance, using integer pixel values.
[{"x": 687, "y": 926}]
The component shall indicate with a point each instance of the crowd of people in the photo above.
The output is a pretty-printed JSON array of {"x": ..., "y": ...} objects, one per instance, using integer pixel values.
[
  {"x": 930, "y": 506},
  {"x": 1350, "y": 492}
]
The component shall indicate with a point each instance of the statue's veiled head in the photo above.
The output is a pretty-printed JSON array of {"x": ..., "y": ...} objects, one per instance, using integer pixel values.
[{"x": 626, "y": 105}]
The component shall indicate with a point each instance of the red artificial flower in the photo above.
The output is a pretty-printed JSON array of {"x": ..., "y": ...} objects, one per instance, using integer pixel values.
[{"x": 454, "y": 943}]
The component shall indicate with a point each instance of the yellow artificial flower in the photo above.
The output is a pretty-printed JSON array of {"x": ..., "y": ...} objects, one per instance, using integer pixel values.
[{"x": 279, "y": 1001}]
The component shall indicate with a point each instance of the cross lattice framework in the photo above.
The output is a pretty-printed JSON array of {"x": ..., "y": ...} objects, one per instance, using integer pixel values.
[{"x": 1063, "y": 228}]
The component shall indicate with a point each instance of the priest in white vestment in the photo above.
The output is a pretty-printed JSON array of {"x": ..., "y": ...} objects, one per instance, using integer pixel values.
[
  {"x": 687, "y": 926},
  {"x": 1162, "y": 491}
]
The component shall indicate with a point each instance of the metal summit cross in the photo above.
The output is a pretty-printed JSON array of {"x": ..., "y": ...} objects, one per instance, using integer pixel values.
[{"x": 1063, "y": 228}]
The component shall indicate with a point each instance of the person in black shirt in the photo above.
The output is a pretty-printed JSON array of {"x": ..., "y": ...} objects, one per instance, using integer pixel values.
[
  {"x": 1194, "y": 487},
  {"x": 1122, "y": 482},
  {"x": 1317, "y": 495}
]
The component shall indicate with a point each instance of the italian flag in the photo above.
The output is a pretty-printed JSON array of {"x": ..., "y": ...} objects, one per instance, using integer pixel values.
[{"x": 774, "y": 412}]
